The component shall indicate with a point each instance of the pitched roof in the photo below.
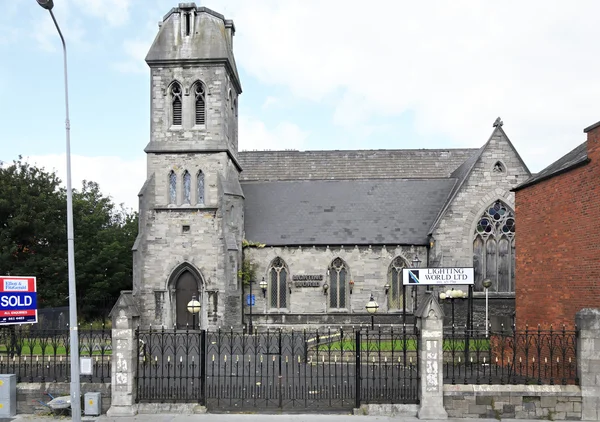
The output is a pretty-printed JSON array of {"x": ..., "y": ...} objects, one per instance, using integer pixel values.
[
  {"x": 343, "y": 212},
  {"x": 575, "y": 158},
  {"x": 351, "y": 164}
]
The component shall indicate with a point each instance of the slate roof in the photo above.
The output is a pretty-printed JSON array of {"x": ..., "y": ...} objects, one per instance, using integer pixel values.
[
  {"x": 343, "y": 212},
  {"x": 575, "y": 158},
  {"x": 351, "y": 164}
]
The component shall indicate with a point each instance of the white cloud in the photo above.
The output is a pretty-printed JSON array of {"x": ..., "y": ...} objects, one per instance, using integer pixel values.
[
  {"x": 118, "y": 178},
  {"x": 270, "y": 101},
  {"x": 135, "y": 51},
  {"x": 114, "y": 12},
  {"x": 255, "y": 135},
  {"x": 456, "y": 65}
]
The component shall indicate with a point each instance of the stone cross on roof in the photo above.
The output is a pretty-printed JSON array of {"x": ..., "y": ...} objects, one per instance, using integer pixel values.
[{"x": 498, "y": 122}]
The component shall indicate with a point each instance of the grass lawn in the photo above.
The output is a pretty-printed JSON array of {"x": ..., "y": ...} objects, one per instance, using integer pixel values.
[
  {"x": 25, "y": 350},
  {"x": 402, "y": 345}
]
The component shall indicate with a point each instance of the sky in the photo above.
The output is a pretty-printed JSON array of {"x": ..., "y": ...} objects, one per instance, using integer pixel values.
[{"x": 326, "y": 74}]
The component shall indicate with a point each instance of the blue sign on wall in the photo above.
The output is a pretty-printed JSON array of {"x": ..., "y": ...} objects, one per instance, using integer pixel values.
[{"x": 250, "y": 300}]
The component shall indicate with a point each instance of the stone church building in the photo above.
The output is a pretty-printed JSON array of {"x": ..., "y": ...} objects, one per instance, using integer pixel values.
[{"x": 322, "y": 230}]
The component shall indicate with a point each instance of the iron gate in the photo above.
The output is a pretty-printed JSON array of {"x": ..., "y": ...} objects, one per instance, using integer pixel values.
[{"x": 279, "y": 370}]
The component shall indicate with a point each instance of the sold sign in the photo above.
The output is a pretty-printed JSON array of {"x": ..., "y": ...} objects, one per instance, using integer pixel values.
[{"x": 18, "y": 300}]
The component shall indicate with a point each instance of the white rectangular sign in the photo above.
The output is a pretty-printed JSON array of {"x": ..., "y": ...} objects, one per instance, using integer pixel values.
[{"x": 438, "y": 276}]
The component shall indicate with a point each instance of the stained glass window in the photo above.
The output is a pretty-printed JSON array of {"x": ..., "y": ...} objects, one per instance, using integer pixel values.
[
  {"x": 172, "y": 187},
  {"x": 494, "y": 248},
  {"x": 176, "y": 103},
  {"x": 395, "y": 280},
  {"x": 200, "y": 103},
  {"x": 187, "y": 186},
  {"x": 338, "y": 284},
  {"x": 200, "y": 188},
  {"x": 278, "y": 284}
]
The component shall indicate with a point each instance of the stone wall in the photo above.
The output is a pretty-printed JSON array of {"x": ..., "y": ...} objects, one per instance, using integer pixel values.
[
  {"x": 28, "y": 395},
  {"x": 552, "y": 402},
  {"x": 368, "y": 269},
  {"x": 453, "y": 237}
]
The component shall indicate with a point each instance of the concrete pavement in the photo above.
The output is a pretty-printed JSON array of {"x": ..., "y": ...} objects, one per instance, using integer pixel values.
[{"x": 211, "y": 417}]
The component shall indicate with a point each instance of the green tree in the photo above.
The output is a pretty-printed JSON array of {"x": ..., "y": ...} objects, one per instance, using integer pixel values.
[
  {"x": 104, "y": 236},
  {"x": 33, "y": 239},
  {"x": 32, "y": 229}
]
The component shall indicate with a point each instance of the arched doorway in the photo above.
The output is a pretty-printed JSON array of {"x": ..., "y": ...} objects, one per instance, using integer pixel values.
[{"x": 187, "y": 285}]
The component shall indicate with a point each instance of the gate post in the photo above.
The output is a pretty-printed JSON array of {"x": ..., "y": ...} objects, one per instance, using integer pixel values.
[
  {"x": 125, "y": 318},
  {"x": 430, "y": 321},
  {"x": 588, "y": 360}
]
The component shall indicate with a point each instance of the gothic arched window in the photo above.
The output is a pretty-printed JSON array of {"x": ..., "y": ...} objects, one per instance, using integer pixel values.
[
  {"x": 200, "y": 103},
  {"x": 278, "y": 279},
  {"x": 494, "y": 248},
  {"x": 200, "y": 188},
  {"x": 187, "y": 187},
  {"x": 395, "y": 281},
  {"x": 172, "y": 187},
  {"x": 176, "y": 104},
  {"x": 338, "y": 284}
]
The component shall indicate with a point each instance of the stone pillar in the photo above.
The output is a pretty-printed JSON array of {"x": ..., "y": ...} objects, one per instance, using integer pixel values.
[
  {"x": 430, "y": 321},
  {"x": 125, "y": 318},
  {"x": 588, "y": 362}
]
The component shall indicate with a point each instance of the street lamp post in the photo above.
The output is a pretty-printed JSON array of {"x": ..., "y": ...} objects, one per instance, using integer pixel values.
[
  {"x": 193, "y": 308},
  {"x": 74, "y": 337},
  {"x": 487, "y": 283},
  {"x": 372, "y": 306}
]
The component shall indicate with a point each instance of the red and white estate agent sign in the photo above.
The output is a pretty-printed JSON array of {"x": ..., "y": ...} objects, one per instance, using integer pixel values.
[{"x": 18, "y": 300}]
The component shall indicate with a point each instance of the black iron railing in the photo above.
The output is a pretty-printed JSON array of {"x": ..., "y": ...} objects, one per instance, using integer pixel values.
[
  {"x": 510, "y": 356},
  {"x": 38, "y": 355},
  {"x": 281, "y": 370}
]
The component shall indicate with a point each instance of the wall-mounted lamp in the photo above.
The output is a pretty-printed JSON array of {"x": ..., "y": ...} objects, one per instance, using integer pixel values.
[
  {"x": 387, "y": 288},
  {"x": 325, "y": 288},
  {"x": 263, "y": 285},
  {"x": 351, "y": 284}
]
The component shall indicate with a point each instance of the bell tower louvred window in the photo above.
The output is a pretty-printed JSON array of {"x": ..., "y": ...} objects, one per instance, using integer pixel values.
[
  {"x": 176, "y": 104},
  {"x": 200, "y": 103}
]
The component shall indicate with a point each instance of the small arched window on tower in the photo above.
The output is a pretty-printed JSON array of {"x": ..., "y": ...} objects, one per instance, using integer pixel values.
[
  {"x": 200, "y": 103},
  {"x": 172, "y": 187},
  {"x": 176, "y": 104},
  {"x": 187, "y": 188},
  {"x": 235, "y": 108},
  {"x": 200, "y": 197}
]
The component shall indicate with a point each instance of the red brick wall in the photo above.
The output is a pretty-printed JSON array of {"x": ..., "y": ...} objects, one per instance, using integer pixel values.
[{"x": 558, "y": 244}]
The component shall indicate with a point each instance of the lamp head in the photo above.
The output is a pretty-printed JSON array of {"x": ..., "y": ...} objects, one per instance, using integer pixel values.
[
  {"x": 416, "y": 262},
  {"x": 325, "y": 287},
  {"x": 46, "y": 4},
  {"x": 372, "y": 306},
  {"x": 193, "y": 306},
  {"x": 263, "y": 284},
  {"x": 487, "y": 283},
  {"x": 387, "y": 288}
]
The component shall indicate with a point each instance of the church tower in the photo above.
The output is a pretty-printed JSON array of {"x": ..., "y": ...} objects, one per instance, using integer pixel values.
[{"x": 191, "y": 205}]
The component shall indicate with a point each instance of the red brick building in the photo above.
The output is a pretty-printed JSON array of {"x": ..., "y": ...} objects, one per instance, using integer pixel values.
[{"x": 558, "y": 251}]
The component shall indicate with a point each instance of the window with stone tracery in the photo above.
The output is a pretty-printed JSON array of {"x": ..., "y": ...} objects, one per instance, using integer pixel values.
[
  {"x": 187, "y": 188},
  {"x": 172, "y": 187},
  {"x": 176, "y": 104},
  {"x": 494, "y": 248},
  {"x": 338, "y": 284},
  {"x": 200, "y": 188},
  {"x": 278, "y": 279},
  {"x": 200, "y": 103},
  {"x": 395, "y": 293}
]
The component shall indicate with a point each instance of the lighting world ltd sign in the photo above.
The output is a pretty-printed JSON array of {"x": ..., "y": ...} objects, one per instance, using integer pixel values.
[
  {"x": 18, "y": 300},
  {"x": 437, "y": 276}
]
